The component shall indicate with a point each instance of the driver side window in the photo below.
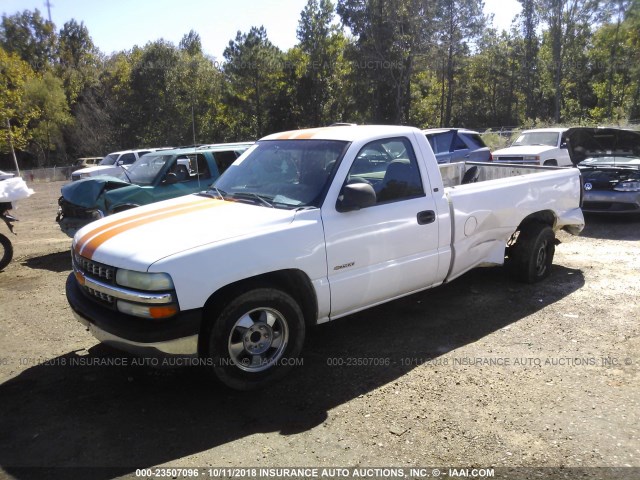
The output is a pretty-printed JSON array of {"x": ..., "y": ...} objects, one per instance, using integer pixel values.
[{"x": 390, "y": 166}]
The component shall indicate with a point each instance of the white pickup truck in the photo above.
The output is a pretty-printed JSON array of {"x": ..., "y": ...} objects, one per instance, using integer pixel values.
[
  {"x": 542, "y": 146},
  {"x": 305, "y": 227}
]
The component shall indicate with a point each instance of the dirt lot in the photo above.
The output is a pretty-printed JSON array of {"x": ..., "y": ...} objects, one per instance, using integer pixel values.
[{"x": 482, "y": 372}]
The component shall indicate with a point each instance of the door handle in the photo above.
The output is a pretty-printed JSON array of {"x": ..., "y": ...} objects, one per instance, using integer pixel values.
[{"x": 425, "y": 217}]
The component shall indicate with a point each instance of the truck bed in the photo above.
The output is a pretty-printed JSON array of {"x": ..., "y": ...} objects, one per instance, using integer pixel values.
[
  {"x": 453, "y": 173},
  {"x": 487, "y": 212}
]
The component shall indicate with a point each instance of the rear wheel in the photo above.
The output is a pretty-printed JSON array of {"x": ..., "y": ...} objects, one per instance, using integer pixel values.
[
  {"x": 530, "y": 258},
  {"x": 6, "y": 251},
  {"x": 256, "y": 338}
]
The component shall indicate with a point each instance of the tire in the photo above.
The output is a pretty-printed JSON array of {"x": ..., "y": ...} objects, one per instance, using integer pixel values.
[
  {"x": 530, "y": 258},
  {"x": 256, "y": 338},
  {"x": 6, "y": 251}
]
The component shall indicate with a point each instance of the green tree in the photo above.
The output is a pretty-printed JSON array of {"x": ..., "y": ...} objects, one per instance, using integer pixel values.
[
  {"x": 191, "y": 43},
  {"x": 459, "y": 22},
  {"x": 568, "y": 28},
  {"x": 78, "y": 59},
  {"x": 321, "y": 44},
  {"x": 528, "y": 23},
  {"x": 30, "y": 36},
  {"x": 389, "y": 38},
  {"x": 253, "y": 69},
  {"x": 632, "y": 43},
  {"x": 492, "y": 97},
  {"x": 46, "y": 93},
  {"x": 14, "y": 75},
  {"x": 151, "y": 106}
]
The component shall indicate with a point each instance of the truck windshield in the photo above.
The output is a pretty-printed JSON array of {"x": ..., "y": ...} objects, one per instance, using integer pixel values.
[
  {"x": 282, "y": 173},
  {"x": 146, "y": 169},
  {"x": 538, "y": 138},
  {"x": 109, "y": 160}
]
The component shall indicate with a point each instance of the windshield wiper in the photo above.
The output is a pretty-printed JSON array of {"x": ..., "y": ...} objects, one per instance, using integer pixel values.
[
  {"x": 124, "y": 170},
  {"x": 218, "y": 192},
  {"x": 250, "y": 195}
]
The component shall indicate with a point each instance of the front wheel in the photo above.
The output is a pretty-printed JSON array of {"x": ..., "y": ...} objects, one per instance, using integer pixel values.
[
  {"x": 530, "y": 258},
  {"x": 6, "y": 251},
  {"x": 256, "y": 339}
]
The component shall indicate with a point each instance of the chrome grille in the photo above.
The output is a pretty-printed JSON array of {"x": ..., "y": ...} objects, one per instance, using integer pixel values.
[
  {"x": 95, "y": 269},
  {"x": 100, "y": 296},
  {"x": 504, "y": 158}
]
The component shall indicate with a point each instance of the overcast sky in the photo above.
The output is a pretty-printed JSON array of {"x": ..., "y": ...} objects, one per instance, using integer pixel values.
[{"x": 116, "y": 25}]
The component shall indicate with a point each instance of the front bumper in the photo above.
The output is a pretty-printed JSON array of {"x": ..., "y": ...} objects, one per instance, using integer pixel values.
[
  {"x": 610, "y": 201},
  {"x": 70, "y": 226},
  {"x": 173, "y": 337}
]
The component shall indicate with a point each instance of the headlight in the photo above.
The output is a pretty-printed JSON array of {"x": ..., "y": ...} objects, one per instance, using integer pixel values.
[
  {"x": 84, "y": 175},
  {"x": 531, "y": 158},
  {"x": 144, "y": 280},
  {"x": 627, "y": 187}
]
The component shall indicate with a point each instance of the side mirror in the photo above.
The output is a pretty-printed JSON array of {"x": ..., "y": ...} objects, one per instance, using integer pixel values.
[
  {"x": 170, "y": 179},
  {"x": 356, "y": 196}
]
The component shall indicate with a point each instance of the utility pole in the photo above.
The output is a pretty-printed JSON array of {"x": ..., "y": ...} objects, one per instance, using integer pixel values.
[
  {"x": 15, "y": 160},
  {"x": 48, "y": 5}
]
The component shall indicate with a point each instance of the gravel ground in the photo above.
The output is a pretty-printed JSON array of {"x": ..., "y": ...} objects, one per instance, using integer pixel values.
[{"x": 482, "y": 372}]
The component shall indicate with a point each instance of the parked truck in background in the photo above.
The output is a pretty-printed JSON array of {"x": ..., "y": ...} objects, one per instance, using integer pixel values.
[
  {"x": 542, "y": 146},
  {"x": 306, "y": 227}
]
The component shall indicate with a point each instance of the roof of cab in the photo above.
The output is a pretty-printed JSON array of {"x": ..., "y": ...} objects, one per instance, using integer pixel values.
[
  {"x": 205, "y": 148},
  {"x": 347, "y": 133}
]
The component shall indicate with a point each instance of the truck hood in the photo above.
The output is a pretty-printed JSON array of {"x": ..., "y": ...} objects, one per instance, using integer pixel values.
[
  {"x": 586, "y": 142},
  {"x": 86, "y": 192},
  {"x": 137, "y": 238},
  {"x": 524, "y": 150}
]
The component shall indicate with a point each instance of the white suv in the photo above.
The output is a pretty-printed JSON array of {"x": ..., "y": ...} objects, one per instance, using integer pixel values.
[
  {"x": 113, "y": 163},
  {"x": 542, "y": 146}
]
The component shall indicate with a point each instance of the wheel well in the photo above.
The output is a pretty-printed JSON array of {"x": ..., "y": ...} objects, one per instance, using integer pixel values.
[
  {"x": 546, "y": 217},
  {"x": 551, "y": 162},
  {"x": 294, "y": 282}
]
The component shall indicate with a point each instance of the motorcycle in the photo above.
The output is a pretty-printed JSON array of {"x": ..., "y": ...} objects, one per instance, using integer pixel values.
[{"x": 6, "y": 248}]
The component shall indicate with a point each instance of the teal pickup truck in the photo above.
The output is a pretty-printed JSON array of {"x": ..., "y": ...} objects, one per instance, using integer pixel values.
[{"x": 153, "y": 177}]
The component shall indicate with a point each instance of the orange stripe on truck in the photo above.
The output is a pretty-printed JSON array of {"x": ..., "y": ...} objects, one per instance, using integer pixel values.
[
  {"x": 120, "y": 221},
  {"x": 302, "y": 134},
  {"x": 90, "y": 247}
]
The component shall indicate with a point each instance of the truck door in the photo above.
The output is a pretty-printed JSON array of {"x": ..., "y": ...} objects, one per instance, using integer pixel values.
[{"x": 390, "y": 248}]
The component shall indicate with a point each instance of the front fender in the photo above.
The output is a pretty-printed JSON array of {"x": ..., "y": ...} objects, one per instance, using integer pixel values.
[{"x": 130, "y": 195}]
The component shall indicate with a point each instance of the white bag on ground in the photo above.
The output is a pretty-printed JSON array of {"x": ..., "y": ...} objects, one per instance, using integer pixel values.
[{"x": 13, "y": 189}]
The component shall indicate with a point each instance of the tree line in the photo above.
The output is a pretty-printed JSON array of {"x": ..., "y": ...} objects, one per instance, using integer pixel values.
[{"x": 428, "y": 63}]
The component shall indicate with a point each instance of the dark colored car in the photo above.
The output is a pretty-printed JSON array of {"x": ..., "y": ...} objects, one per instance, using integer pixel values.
[
  {"x": 457, "y": 145},
  {"x": 609, "y": 160},
  {"x": 153, "y": 177}
]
